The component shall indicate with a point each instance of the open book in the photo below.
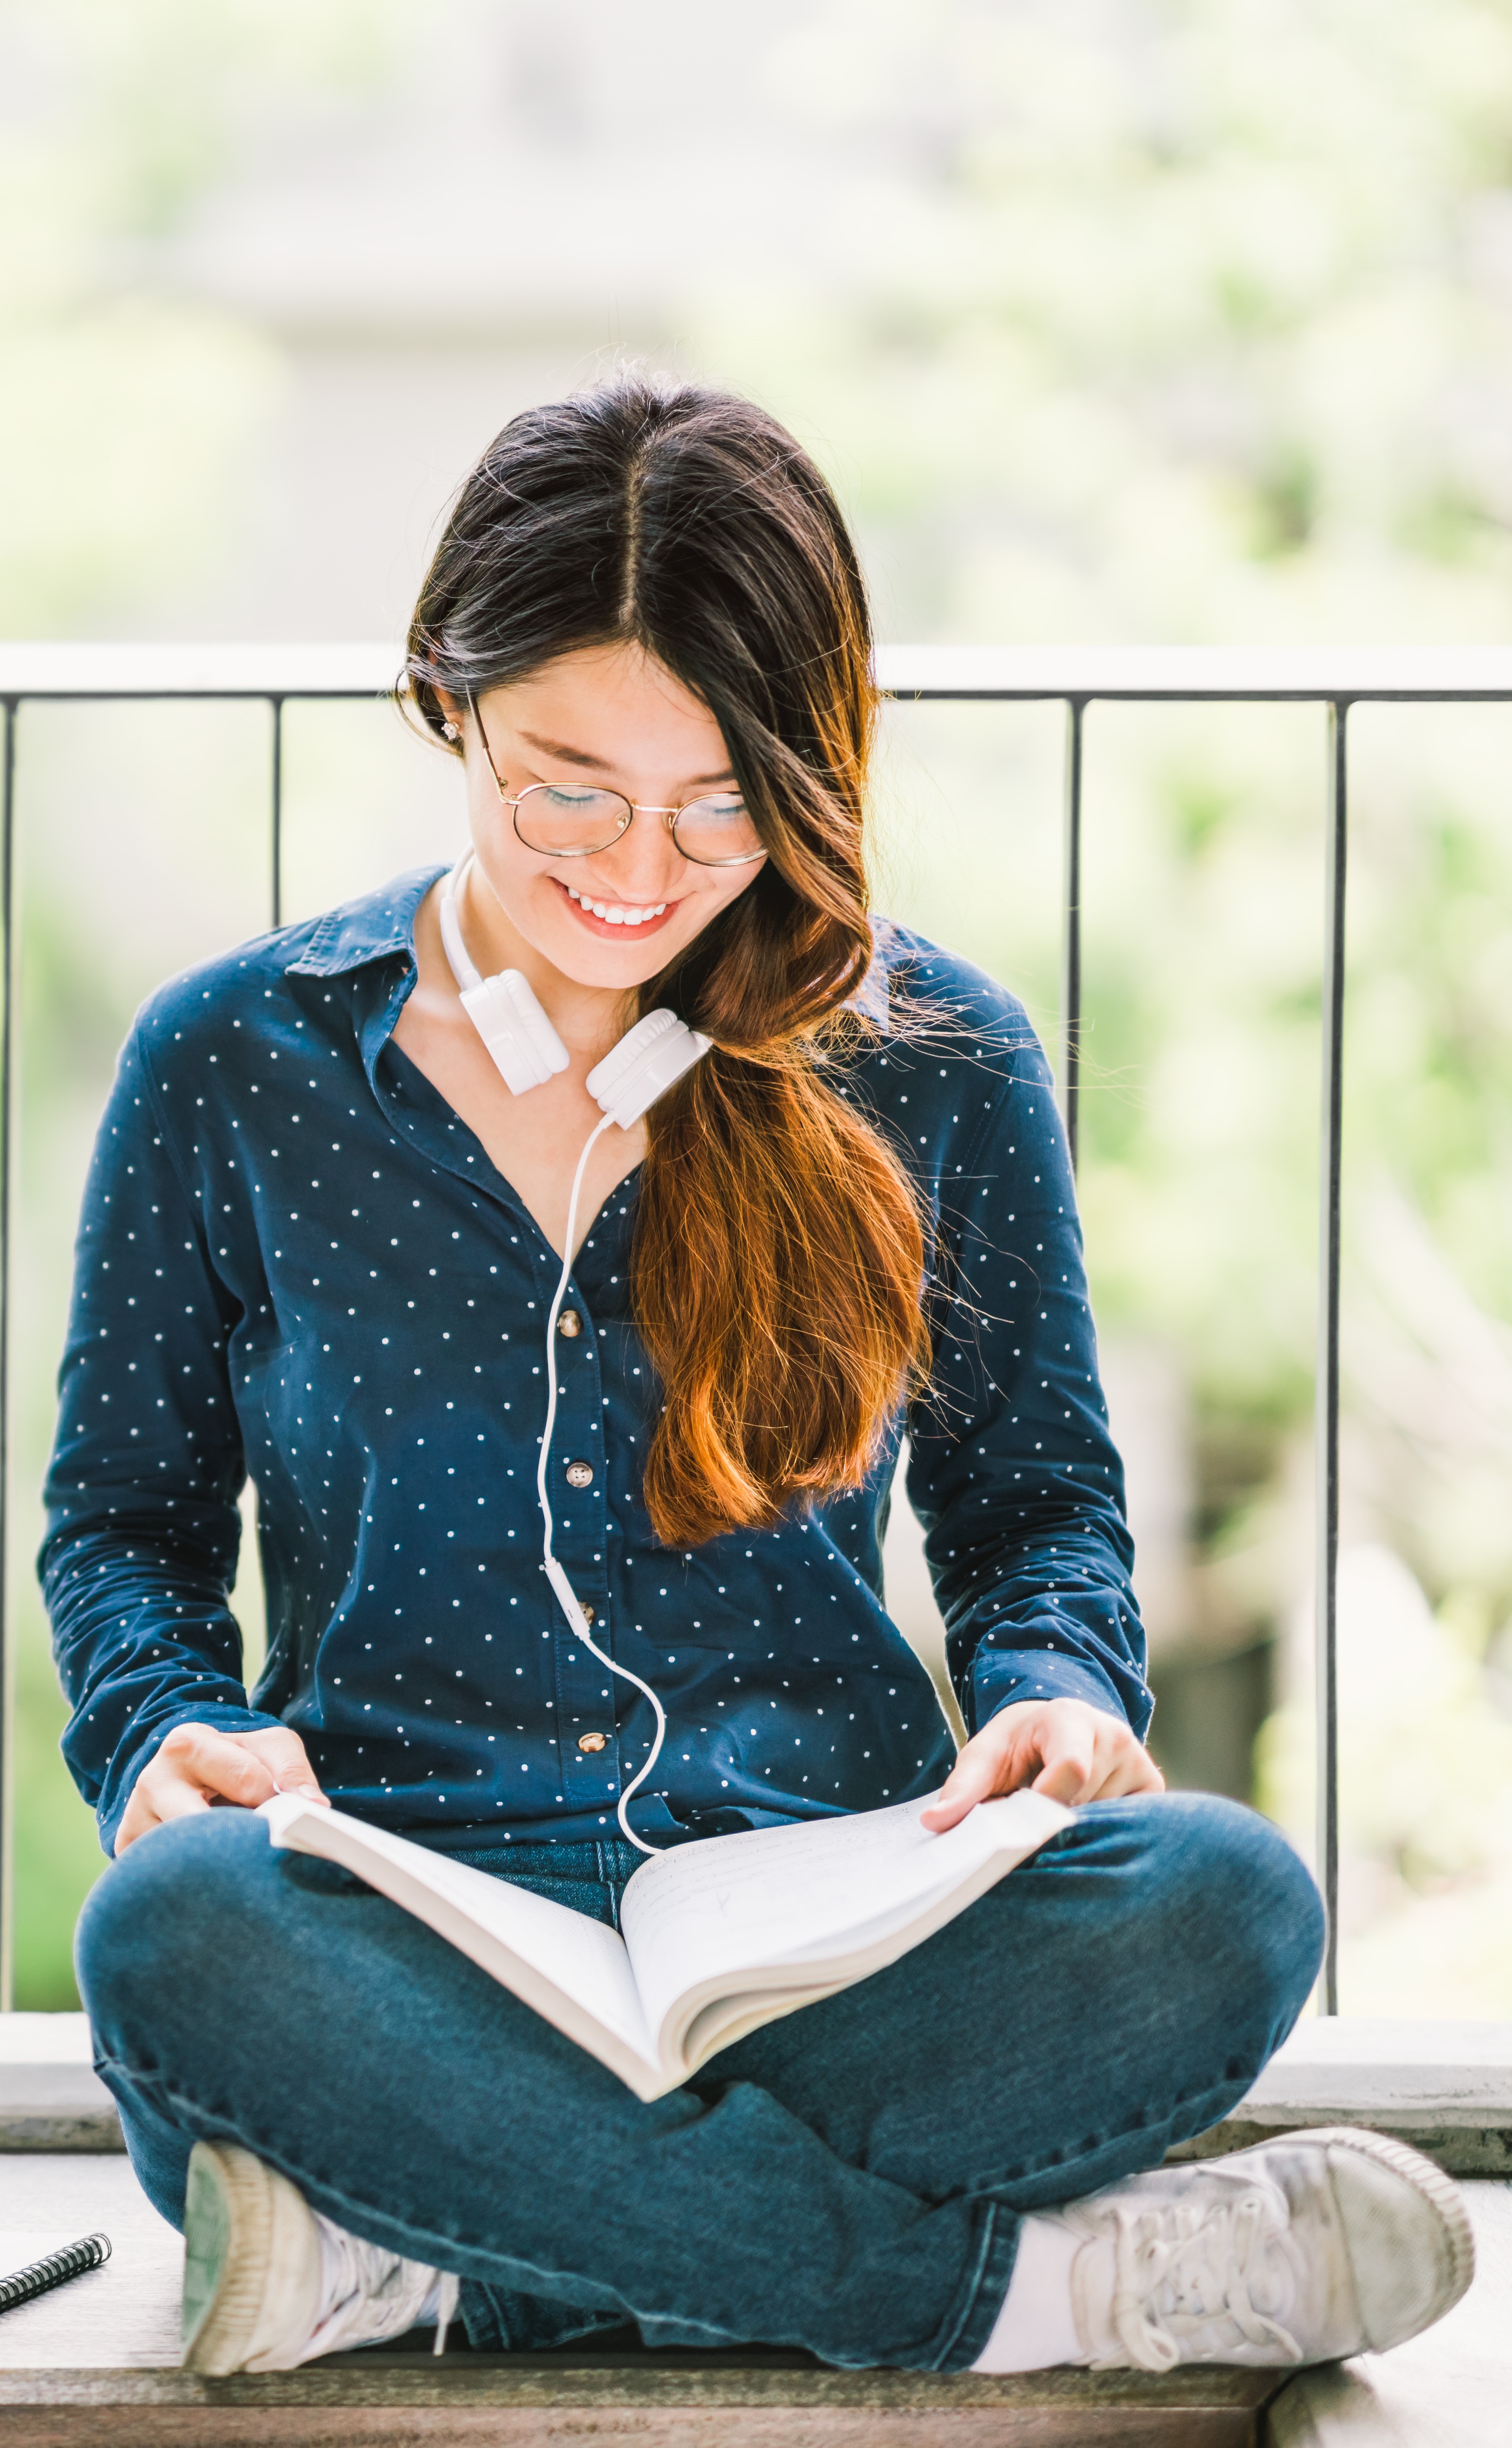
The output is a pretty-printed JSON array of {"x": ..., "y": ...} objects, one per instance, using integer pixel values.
[{"x": 721, "y": 1935}]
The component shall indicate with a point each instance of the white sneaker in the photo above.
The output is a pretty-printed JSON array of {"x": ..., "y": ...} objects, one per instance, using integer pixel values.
[
  {"x": 1294, "y": 2251},
  {"x": 269, "y": 2284}
]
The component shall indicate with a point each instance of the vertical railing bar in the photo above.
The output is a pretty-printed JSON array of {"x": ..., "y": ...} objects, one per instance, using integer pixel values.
[
  {"x": 8, "y": 807},
  {"x": 276, "y": 707},
  {"x": 1071, "y": 933},
  {"x": 1329, "y": 1171}
]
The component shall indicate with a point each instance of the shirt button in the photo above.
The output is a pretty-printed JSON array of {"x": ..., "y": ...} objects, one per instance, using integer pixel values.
[
  {"x": 569, "y": 1323},
  {"x": 591, "y": 1742},
  {"x": 580, "y": 1474}
]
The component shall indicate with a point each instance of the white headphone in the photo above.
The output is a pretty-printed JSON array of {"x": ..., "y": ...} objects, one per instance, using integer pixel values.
[{"x": 528, "y": 1052}]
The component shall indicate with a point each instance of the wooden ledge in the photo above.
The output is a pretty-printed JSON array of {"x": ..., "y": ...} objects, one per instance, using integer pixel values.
[
  {"x": 687, "y": 2402},
  {"x": 1459, "y": 2150},
  {"x": 96, "y": 2362},
  {"x": 1398, "y": 2073},
  {"x": 1446, "y": 2088},
  {"x": 94, "y": 2365},
  {"x": 51, "y": 2097}
]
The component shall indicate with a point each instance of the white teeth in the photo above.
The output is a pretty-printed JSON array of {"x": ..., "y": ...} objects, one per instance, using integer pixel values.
[{"x": 613, "y": 914}]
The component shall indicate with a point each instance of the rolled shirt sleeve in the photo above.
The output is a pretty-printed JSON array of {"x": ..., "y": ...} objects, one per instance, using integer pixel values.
[
  {"x": 143, "y": 1523},
  {"x": 1012, "y": 1470}
]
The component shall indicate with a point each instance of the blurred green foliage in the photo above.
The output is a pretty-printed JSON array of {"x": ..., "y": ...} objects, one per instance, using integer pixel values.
[
  {"x": 1129, "y": 319},
  {"x": 126, "y": 418},
  {"x": 1185, "y": 317}
]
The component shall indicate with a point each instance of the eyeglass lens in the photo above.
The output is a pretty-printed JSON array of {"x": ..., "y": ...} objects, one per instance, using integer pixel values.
[{"x": 560, "y": 822}]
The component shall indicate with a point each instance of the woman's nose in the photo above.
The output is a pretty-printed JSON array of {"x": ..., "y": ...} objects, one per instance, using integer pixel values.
[{"x": 642, "y": 866}]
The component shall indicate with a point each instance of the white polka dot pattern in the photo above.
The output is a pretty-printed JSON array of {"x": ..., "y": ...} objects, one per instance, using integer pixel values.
[{"x": 295, "y": 1261}]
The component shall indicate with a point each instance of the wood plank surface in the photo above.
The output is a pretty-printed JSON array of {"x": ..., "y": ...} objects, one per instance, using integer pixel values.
[
  {"x": 125, "y": 2313},
  {"x": 96, "y": 2362},
  {"x": 518, "y": 2404}
]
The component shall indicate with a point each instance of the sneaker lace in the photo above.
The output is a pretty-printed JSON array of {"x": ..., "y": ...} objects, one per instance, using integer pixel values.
[
  {"x": 372, "y": 2294},
  {"x": 1180, "y": 2268}
]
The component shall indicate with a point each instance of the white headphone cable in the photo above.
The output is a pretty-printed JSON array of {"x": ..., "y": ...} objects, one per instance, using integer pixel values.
[{"x": 566, "y": 1597}]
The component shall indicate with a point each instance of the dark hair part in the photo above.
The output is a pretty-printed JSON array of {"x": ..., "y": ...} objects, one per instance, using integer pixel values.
[{"x": 777, "y": 1261}]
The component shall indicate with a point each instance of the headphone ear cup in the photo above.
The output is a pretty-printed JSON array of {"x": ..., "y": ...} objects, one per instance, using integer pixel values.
[
  {"x": 508, "y": 1017},
  {"x": 644, "y": 1066},
  {"x": 526, "y": 1049}
]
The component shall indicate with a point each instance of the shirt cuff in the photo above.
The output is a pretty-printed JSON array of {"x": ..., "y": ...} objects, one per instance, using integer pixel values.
[{"x": 1002, "y": 1676}]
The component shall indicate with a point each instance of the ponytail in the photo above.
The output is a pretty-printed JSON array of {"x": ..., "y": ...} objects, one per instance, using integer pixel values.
[{"x": 777, "y": 1261}]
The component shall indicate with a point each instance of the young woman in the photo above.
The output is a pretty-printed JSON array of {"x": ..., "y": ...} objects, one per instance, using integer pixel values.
[{"x": 320, "y": 1243}]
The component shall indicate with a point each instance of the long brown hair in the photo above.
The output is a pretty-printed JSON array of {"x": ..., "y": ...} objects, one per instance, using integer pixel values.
[{"x": 778, "y": 1262}]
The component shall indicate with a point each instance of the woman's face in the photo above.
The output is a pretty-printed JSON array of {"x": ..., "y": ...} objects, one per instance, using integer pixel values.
[{"x": 605, "y": 717}]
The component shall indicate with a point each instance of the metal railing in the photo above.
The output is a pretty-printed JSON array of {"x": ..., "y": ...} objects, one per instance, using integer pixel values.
[{"x": 1077, "y": 676}]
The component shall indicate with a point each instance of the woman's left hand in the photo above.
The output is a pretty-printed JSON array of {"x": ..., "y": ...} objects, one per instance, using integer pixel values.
[{"x": 1062, "y": 1747}]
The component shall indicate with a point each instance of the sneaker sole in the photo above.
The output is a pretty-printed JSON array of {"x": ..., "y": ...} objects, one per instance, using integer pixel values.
[
  {"x": 1415, "y": 2170},
  {"x": 246, "y": 2233}
]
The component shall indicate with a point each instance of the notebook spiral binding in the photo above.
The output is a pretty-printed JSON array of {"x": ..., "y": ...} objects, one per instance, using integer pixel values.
[{"x": 39, "y": 2275}]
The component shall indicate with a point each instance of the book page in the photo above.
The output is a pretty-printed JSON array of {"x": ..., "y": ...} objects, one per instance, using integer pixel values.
[
  {"x": 730, "y": 1905},
  {"x": 572, "y": 1970}
]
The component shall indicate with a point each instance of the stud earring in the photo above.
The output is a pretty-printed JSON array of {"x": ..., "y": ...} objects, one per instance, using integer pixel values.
[{"x": 449, "y": 731}]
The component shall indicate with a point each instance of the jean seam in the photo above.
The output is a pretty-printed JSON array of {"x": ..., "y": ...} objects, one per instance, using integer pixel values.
[{"x": 982, "y": 2294}]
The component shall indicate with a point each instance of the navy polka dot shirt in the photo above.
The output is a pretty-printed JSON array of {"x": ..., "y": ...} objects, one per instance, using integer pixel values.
[{"x": 296, "y": 1263}]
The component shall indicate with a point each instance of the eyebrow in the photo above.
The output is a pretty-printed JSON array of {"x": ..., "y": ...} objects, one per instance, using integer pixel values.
[{"x": 598, "y": 765}]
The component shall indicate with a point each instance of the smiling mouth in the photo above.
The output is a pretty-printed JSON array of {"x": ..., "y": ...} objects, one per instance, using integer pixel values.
[{"x": 622, "y": 917}]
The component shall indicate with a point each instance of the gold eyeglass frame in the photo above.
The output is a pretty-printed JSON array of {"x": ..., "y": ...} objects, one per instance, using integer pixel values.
[{"x": 636, "y": 807}]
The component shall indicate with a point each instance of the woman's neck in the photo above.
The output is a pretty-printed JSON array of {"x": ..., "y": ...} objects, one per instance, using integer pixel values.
[{"x": 587, "y": 1019}]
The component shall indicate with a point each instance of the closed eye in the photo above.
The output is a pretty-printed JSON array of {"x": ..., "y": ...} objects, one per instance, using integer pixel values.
[{"x": 560, "y": 794}]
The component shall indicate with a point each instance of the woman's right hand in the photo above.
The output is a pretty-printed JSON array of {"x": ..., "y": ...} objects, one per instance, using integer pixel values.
[{"x": 195, "y": 1766}]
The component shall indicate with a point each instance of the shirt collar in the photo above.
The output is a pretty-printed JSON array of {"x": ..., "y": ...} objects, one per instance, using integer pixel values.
[{"x": 373, "y": 929}]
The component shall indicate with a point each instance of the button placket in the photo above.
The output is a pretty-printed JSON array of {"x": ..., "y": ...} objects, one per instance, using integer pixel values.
[{"x": 588, "y": 1757}]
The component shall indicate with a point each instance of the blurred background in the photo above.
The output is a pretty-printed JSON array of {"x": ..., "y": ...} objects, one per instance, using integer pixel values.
[{"x": 1115, "y": 320}]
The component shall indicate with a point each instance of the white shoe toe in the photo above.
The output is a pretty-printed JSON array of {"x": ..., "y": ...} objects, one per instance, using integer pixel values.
[
  {"x": 1313, "y": 2247},
  {"x": 1407, "y": 2232}
]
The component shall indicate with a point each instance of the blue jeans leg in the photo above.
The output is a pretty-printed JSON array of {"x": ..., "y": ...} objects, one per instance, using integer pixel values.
[
  {"x": 849, "y": 2180},
  {"x": 1115, "y": 1994}
]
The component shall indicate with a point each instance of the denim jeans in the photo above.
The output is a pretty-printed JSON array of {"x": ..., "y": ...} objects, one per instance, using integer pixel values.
[{"x": 849, "y": 2180}]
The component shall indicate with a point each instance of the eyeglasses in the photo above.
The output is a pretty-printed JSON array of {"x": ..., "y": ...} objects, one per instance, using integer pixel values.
[{"x": 562, "y": 820}]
